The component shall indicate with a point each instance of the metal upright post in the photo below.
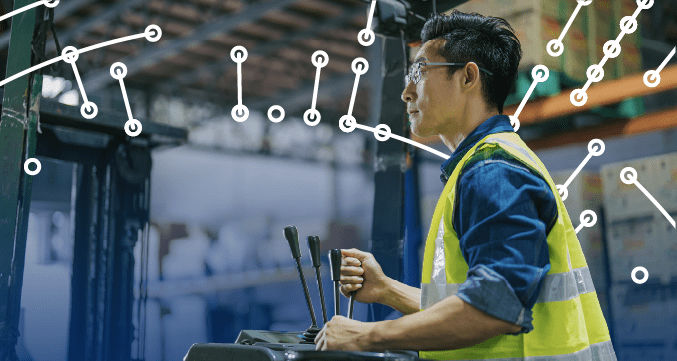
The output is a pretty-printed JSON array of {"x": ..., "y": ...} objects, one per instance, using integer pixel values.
[
  {"x": 20, "y": 111},
  {"x": 390, "y": 162}
]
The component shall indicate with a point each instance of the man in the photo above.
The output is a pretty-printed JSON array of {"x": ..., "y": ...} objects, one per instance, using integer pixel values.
[{"x": 503, "y": 274}]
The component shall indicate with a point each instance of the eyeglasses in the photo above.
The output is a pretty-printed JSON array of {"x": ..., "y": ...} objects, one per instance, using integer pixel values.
[{"x": 415, "y": 70}]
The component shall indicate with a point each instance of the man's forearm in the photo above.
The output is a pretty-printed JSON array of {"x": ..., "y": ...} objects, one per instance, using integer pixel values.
[
  {"x": 449, "y": 324},
  {"x": 402, "y": 297}
]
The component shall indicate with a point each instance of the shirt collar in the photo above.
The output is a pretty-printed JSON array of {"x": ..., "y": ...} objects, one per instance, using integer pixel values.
[{"x": 495, "y": 124}]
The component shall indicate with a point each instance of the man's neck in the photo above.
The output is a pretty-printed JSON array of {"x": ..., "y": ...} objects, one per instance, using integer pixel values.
[{"x": 454, "y": 138}]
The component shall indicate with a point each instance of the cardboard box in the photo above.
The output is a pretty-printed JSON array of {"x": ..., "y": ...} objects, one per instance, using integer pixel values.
[
  {"x": 623, "y": 201},
  {"x": 535, "y": 22},
  {"x": 639, "y": 315},
  {"x": 635, "y": 243},
  {"x": 577, "y": 52}
]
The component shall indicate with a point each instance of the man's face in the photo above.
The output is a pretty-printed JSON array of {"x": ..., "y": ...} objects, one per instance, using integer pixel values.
[{"x": 434, "y": 100}]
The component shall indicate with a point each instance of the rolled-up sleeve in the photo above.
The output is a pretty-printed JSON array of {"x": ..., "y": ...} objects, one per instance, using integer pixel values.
[{"x": 502, "y": 215}]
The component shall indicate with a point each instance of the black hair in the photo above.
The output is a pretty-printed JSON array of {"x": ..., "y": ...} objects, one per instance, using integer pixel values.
[{"x": 488, "y": 41}]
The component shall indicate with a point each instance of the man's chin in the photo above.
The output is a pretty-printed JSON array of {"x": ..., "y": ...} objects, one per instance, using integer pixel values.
[{"x": 417, "y": 131}]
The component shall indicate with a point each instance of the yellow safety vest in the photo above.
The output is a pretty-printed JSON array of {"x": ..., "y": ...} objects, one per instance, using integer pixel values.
[{"x": 567, "y": 319}]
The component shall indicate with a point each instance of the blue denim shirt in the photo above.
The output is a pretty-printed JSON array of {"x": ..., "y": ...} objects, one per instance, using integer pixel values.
[{"x": 502, "y": 216}]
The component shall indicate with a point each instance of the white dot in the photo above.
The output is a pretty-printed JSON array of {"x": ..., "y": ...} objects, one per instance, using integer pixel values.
[
  {"x": 644, "y": 278},
  {"x": 38, "y": 166}
]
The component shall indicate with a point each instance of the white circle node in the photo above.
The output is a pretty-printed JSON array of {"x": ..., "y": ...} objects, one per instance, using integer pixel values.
[
  {"x": 555, "y": 47},
  {"x": 133, "y": 127},
  {"x": 360, "y": 66},
  {"x": 50, "y": 3},
  {"x": 239, "y": 54},
  {"x": 118, "y": 70},
  {"x": 588, "y": 218},
  {"x": 596, "y": 147},
  {"x": 240, "y": 113},
  {"x": 70, "y": 54},
  {"x": 153, "y": 33},
  {"x": 38, "y": 166},
  {"x": 89, "y": 110},
  {"x": 540, "y": 73},
  {"x": 578, "y": 97},
  {"x": 515, "y": 122},
  {"x": 652, "y": 78},
  {"x": 312, "y": 117},
  {"x": 276, "y": 108},
  {"x": 612, "y": 49},
  {"x": 595, "y": 73},
  {"x": 644, "y": 4},
  {"x": 563, "y": 191},
  {"x": 320, "y": 59},
  {"x": 628, "y": 175},
  {"x": 584, "y": 2},
  {"x": 628, "y": 24},
  {"x": 644, "y": 278},
  {"x": 347, "y": 123},
  {"x": 366, "y": 37},
  {"x": 382, "y": 132}
]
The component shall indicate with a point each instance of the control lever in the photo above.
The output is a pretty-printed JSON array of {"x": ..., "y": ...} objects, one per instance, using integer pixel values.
[
  {"x": 335, "y": 264},
  {"x": 351, "y": 303},
  {"x": 292, "y": 236},
  {"x": 314, "y": 246}
]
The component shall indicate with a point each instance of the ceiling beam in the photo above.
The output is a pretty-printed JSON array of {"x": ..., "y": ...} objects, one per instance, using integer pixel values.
[
  {"x": 60, "y": 12},
  {"x": 222, "y": 66},
  {"x": 106, "y": 15},
  {"x": 154, "y": 54},
  {"x": 301, "y": 98}
]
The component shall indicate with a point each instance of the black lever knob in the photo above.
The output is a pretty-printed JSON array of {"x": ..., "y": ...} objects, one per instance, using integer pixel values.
[
  {"x": 335, "y": 264},
  {"x": 292, "y": 236},
  {"x": 314, "y": 246}
]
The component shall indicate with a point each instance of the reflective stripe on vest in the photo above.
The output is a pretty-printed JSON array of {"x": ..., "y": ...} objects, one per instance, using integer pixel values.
[
  {"x": 602, "y": 351},
  {"x": 568, "y": 322},
  {"x": 555, "y": 287}
]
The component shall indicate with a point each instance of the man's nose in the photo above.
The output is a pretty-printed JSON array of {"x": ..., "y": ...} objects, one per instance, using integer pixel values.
[{"x": 408, "y": 93}]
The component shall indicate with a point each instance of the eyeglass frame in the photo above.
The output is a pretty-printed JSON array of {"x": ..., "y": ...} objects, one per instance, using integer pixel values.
[{"x": 416, "y": 77}]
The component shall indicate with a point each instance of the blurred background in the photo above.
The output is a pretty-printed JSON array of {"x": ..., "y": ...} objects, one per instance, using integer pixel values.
[{"x": 203, "y": 255}]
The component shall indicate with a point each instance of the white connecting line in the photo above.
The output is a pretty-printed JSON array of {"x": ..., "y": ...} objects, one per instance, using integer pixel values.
[
  {"x": 555, "y": 47},
  {"x": 612, "y": 49},
  {"x": 595, "y": 149},
  {"x": 653, "y": 77},
  {"x": 70, "y": 55},
  {"x": 629, "y": 176},
  {"x": 47, "y": 3},
  {"x": 382, "y": 132},
  {"x": 240, "y": 112},
  {"x": 320, "y": 59},
  {"x": 366, "y": 36},
  {"x": 588, "y": 219},
  {"x": 132, "y": 126},
  {"x": 540, "y": 73}
]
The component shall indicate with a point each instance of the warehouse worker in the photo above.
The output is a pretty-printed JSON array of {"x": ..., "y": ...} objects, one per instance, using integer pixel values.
[{"x": 503, "y": 273}]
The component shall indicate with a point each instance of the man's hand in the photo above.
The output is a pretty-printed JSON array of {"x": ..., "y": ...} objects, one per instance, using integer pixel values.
[
  {"x": 342, "y": 333},
  {"x": 361, "y": 272}
]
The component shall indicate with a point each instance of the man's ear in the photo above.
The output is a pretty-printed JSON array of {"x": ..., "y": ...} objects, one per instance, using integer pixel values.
[{"x": 471, "y": 75}]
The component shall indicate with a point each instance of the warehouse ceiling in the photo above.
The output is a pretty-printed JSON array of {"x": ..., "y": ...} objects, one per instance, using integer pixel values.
[{"x": 192, "y": 60}]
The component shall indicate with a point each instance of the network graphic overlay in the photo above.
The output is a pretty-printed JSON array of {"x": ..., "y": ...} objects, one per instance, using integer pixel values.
[
  {"x": 539, "y": 73},
  {"x": 612, "y": 49},
  {"x": 595, "y": 149}
]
